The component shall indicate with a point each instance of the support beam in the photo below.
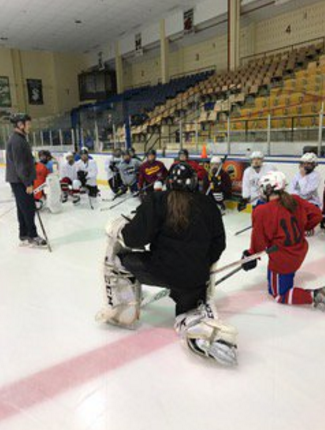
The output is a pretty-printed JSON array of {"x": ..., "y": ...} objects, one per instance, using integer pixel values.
[
  {"x": 164, "y": 53},
  {"x": 21, "y": 92},
  {"x": 233, "y": 34},
  {"x": 119, "y": 69}
]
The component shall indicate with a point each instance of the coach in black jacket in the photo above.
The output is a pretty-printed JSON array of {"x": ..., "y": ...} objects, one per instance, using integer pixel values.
[{"x": 20, "y": 173}]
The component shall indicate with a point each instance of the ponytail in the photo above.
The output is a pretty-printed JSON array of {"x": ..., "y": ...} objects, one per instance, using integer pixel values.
[
  {"x": 287, "y": 201},
  {"x": 178, "y": 210}
]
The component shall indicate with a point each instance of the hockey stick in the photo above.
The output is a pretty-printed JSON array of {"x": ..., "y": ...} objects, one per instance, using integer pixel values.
[
  {"x": 243, "y": 230},
  {"x": 127, "y": 198},
  {"x": 44, "y": 232},
  {"x": 217, "y": 173},
  {"x": 165, "y": 292},
  {"x": 37, "y": 190},
  {"x": 240, "y": 262}
]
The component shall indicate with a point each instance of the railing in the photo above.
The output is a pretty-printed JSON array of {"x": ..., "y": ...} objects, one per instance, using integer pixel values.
[{"x": 285, "y": 48}]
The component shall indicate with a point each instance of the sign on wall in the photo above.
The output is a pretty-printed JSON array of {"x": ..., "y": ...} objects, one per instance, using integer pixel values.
[
  {"x": 189, "y": 21},
  {"x": 35, "y": 91},
  {"x": 5, "y": 97}
]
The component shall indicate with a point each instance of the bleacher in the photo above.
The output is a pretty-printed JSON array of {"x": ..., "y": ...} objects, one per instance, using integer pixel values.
[{"x": 284, "y": 85}]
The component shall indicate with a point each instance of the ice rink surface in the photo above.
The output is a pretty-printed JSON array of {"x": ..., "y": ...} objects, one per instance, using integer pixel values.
[{"x": 59, "y": 370}]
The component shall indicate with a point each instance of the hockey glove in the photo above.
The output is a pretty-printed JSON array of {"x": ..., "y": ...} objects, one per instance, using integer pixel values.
[
  {"x": 242, "y": 205},
  {"x": 322, "y": 224},
  {"x": 82, "y": 176},
  {"x": 250, "y": 265}
]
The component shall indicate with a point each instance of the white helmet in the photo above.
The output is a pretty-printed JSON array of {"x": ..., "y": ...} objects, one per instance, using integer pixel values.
[
  {"x": 68, "y": 154},
  {"x": 257, "y": 154},
  {"x": 215, "y": 160},
  {"x": 309, "y": 157},
  {"x": 272, "y": 182}
]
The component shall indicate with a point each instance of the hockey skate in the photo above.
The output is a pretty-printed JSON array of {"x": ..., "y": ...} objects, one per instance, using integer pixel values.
[
  {"x": 37, "y": 242},
  {"x": 207, "y": 336},
  {"x": 319, "y": 299},
  {"x": 23, "y": 240},
  {"x": 76, "y": 200}
]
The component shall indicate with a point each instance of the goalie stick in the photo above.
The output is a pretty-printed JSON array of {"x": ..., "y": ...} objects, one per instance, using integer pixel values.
[{"x": 165, "y": 292}]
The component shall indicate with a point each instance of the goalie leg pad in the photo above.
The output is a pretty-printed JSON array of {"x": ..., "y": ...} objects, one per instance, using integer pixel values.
[
  {"x": 207, "y": 336},
  {"x": 53, "y": 201},
  {"x": 122, "y": 291}
]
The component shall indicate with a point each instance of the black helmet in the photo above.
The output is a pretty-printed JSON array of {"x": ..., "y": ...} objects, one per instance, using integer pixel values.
[
  {"x": 84, "y": 151},
  {"x": 19, "y": 117},
  {"x": 183, "y": 152},
  {"x": 152, "y": 152},
  {"x": 182, "y": 178}
]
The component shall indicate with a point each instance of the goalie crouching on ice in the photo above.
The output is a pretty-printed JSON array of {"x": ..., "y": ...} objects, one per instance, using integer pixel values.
[{"x": 186, "y": 236}]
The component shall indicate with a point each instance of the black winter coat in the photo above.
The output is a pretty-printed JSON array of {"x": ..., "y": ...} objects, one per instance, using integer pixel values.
[
  {"x": 180, "y": 259},
  {"x": 20, "y": 164}
]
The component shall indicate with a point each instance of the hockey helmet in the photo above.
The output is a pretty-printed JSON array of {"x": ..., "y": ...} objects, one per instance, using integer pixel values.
[
  {"x": 182, "y": 178},
  {"x": 272, "y": 183}
]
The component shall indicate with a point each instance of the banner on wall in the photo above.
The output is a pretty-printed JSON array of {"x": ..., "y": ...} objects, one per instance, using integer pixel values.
[
  {"x": 35, "y": 91},
  {"x": 188, "y": 20},
  {"x": 235, "y": 169},
  {"x": 5, "y": 97}
]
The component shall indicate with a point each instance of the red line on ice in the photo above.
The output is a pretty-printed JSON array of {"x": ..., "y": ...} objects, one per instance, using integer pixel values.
[{"x": 48, "y": 383}]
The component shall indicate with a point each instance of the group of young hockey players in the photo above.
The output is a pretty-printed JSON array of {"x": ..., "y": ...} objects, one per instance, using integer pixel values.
[{"x": 177, "y": 236}]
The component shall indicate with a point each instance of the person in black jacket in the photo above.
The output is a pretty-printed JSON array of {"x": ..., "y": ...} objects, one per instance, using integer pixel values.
[
  {"x": 186, "y": 236},
  {"x": 21, "y": 173}
]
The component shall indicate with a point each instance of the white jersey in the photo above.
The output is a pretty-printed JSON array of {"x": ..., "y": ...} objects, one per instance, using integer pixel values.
[
  {"x": 92, "y": 171},
  {"x": 68, "y": 171},
  {"x": 251, "y": 179},
  {"x": 111, "y": 166},
  {"x": 307, "y": 187}
]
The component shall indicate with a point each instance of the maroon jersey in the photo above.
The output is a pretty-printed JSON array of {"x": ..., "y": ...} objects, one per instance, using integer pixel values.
[
  {"x": 152, "y": 172},
  {"x": 275, "y": 225}
]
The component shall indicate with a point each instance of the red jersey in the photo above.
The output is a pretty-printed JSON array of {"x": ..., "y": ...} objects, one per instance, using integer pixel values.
[
  {"x": 202, "y": 174},
  {"x": 41, "y": 174},
  {"x": 151, "y": 172},
  {"x": 275, "y": 225}
]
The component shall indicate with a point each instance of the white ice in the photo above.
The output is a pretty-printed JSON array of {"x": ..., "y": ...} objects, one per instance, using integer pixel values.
[{"x": 59, "y": 370}]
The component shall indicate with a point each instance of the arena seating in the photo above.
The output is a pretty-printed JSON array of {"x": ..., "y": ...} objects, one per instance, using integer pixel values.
[{"x": 286, "y": 85}]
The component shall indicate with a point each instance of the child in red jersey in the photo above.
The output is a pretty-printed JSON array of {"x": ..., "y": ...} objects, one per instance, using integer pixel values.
[
  {"x": 41, "y": 174},
  {"x": 283, "y": 221},
  {"x": 202, "y": 174}
]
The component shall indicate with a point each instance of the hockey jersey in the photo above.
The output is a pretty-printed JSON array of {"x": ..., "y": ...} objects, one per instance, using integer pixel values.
[
  {"x": 41, "y": 174},
  {"x": 307, "y": 186},
  {"x": 275, "y": 225},
  {"x": 251, "y": 179},
  {"x": 152, "y": 172},
  {"x": 68, "y": 171},
  {"x": 92, "y": 171},
  {"x": 111, "y": 166},
  {"x": 129, "y": 171}
]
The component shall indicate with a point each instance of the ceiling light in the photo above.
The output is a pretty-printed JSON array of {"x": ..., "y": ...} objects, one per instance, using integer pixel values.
[
  {"x": 3, "y": 39},
  {"x": 77, "y": 21}
]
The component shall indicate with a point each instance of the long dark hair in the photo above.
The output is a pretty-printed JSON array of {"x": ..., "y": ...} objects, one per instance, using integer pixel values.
[
  {"x": 178, "y": 210},
  {"x": 287, "y": 201}
]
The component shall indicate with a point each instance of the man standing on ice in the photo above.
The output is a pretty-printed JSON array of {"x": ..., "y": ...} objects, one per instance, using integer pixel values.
[{"x": 21, "y": 174}]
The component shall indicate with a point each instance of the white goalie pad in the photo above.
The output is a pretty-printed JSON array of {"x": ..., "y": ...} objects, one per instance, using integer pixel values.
[
  {"x": 53, "y": 193},
  {"x": 122, "y": 293},
  {"x": 207, "y": 336}
]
